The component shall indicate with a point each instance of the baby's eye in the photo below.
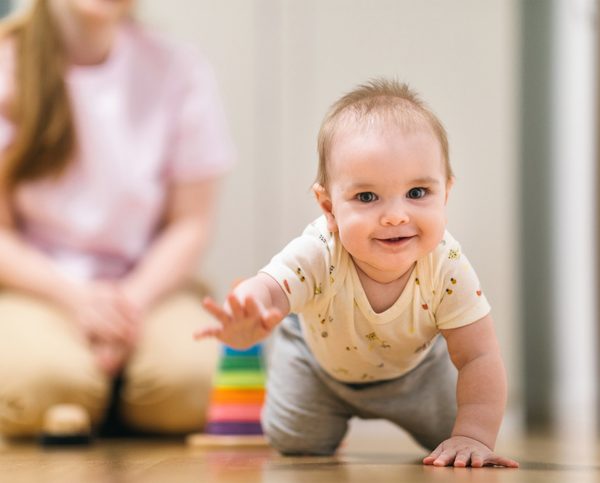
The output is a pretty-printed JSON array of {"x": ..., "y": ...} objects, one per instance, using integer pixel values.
[
  {"x": 366, "y": 197},
  {"x": 416, "y": 193}
]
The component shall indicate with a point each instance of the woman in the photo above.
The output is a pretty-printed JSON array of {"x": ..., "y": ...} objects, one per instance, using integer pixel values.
[{"x": 112, "y": 142}]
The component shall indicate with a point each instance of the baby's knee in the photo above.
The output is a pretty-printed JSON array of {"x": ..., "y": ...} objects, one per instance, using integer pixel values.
[{"x": 298, "y": 442}]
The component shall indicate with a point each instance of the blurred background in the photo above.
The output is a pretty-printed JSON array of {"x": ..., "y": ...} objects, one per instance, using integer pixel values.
[{"x": 515, "y": 83}]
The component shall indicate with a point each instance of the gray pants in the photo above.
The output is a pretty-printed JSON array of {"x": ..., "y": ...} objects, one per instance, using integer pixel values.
[{"x": 307, "y": 411}]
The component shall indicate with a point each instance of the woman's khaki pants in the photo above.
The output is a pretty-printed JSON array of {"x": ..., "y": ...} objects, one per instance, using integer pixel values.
[{"x": 44, "y": 361}]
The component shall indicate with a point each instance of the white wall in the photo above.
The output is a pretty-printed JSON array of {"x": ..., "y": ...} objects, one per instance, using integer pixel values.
[
  {"x": 575, "y": 218},
  {"x": 282, "y": 62}
]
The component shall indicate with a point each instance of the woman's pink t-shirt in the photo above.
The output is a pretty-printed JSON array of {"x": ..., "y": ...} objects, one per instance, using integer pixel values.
[{"x": 146, "y": 118}]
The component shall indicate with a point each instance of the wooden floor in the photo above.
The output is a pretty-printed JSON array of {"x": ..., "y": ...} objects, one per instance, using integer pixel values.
[{"x": 366, "y": 457}]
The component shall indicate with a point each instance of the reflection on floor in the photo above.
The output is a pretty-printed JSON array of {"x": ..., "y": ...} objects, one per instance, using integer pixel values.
[{"x": 372, "y": 453}]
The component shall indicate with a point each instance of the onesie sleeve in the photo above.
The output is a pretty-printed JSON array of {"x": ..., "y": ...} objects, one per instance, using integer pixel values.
[
  {"x": 301, "y": 268},
  {"x": 201, "y": 145},
  {"x": 461, "y": 300}
]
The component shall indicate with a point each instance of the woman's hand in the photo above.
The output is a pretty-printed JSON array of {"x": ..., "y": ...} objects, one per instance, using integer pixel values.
[
  {"x": 461, "y": 451},
  {"x": 108, "y": 320}
]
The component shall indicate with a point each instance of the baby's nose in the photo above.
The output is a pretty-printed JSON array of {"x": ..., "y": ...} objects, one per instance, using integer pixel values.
[{"x": 395, "y": 214}]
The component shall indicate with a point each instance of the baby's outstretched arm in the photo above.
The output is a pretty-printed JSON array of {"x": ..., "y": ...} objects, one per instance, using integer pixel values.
[
  {"x": 250, "y": 313},
  {"x": 481, "y": 398}
]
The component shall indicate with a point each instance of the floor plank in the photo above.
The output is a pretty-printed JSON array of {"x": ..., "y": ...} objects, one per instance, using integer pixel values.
[{"x": 367, "y": 457}]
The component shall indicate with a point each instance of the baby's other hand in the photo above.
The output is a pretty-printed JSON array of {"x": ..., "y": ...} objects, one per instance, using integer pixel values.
[
  {"x": 243, "y": 324},
  {"x": 461, "y": 451}
]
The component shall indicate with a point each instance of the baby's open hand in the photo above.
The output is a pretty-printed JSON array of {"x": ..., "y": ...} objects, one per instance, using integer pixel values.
[
  {"x": 243, "y": 324},
  {"x": 461, "y": 451}
]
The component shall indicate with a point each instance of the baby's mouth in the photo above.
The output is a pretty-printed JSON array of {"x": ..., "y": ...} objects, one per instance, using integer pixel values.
[{"x": 395, "y": 240}]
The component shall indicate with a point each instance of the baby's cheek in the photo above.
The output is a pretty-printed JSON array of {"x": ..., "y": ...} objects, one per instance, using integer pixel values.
[
  {"x": 436, "y": 229},
  {"x": 353, "y": 239}
]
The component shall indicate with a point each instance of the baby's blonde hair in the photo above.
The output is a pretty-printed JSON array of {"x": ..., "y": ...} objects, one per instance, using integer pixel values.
[{"x": 379, "y": 100}]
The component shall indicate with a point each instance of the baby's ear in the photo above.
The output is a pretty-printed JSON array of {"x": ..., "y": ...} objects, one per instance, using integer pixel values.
[
  {"x": 326, "y": 206},
  {"x": 449, "y": 185}
]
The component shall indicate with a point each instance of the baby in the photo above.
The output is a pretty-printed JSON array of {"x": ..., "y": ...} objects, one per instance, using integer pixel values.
[{"x": 373, "y": 282}]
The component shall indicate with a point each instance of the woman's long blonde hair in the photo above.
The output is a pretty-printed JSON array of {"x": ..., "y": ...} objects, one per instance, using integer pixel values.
[{"x": 44, "y": 139}]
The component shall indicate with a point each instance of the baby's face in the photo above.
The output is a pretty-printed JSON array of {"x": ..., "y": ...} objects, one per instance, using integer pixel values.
[{"x": 387, "y": 192}]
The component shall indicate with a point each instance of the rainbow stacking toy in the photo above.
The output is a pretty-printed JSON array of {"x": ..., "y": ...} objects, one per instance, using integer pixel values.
[{"x": 238, "y": 394}]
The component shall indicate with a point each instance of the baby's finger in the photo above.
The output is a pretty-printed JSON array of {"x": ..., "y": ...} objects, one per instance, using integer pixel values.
[
  {"x": 463, "y": 457},
  {"x": 216, "y": 310},
  {"x": 271, "y": 318},
  {"x": 253, "y": 311},
  {"x": 428, "y": 460},
  {"x": 501, "y": 461},
  {"x": 208, "y": 332},
  {"x": 237, "y": 310},
  {"x": 477, "y": 461},
  {"x": 445, "y": 459}
]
